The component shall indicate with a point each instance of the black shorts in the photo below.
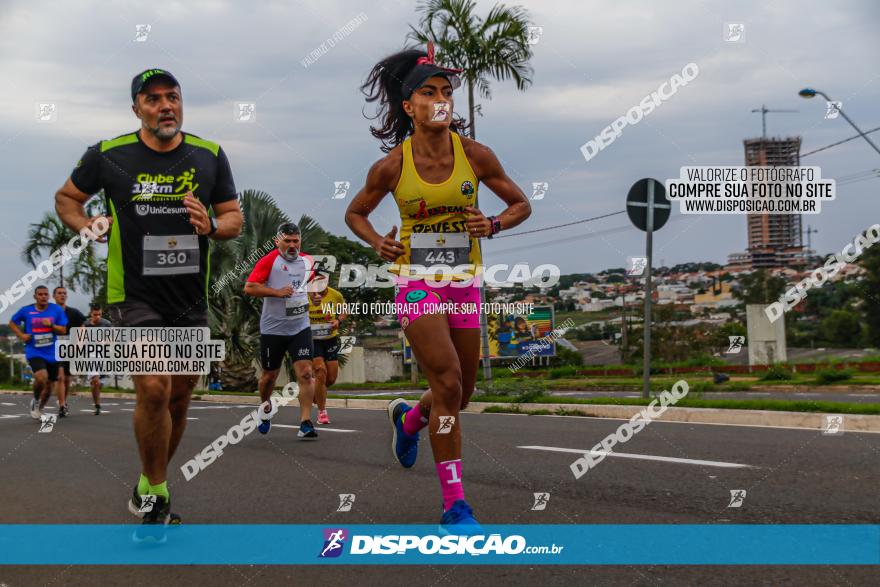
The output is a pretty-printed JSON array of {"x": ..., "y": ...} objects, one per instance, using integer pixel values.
[
  {"x": 137, "y": 313},
  {"x": 328, "y": 349},
  {"x": 64, "y": 365},
  {"x": 273, "y": 347},
  {"x": 51, "y": 367}
]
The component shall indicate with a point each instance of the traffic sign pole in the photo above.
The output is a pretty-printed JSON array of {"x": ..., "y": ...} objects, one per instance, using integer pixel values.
[
  {"x": 649, "y": 215},
  {"x": 646, "y": 334}
]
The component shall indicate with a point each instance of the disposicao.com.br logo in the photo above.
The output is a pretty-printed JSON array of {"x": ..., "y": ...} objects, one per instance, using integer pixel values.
[{"x": 429, "y": 544}]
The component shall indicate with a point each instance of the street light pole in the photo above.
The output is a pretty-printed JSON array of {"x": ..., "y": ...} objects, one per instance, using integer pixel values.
[{"x": 810, "y": 93}]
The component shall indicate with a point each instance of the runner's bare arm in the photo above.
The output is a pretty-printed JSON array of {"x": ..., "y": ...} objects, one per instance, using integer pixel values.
[
  {"x": 229, "y": 220},
  {"x": 70, "y": 207},
  {"x": 228, "y": 216},
  {"x": 260, "y": 290},
  {"x": 491, "y": 173},
  {"x": 17, "y": 332},
  {"x": 381, "y": 179}
]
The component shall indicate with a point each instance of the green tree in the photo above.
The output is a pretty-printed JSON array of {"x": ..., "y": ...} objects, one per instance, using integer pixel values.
[
  {"x": 720, "y": 336},
  {"x": 348, "y": 252},
  {"x": 842, "y": 328},
  {"x": 759, "y": 287},
  {"x": 869, "y": 293},
  {"x": 495, "y": 47},
  {"x": 50, "y": 235}
]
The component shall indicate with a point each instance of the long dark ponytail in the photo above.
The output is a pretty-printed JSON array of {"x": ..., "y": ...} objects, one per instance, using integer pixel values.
[{"x": 384, "y": 85}]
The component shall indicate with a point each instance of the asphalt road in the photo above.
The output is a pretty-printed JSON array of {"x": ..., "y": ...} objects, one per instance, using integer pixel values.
[
  {"x": 83, "y": 471},
  {"x": 816, "y": 394}
]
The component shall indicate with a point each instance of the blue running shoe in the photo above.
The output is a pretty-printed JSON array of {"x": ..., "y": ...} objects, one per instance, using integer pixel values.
[
  {"x": 459, "y": 520},
  {"x": 266, "y": 417},
  {"x": 307, "y": 431},
  {"x": 404, "y": 447}
]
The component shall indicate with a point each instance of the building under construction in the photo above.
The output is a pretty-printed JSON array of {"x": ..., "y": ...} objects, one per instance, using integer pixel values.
[{"x": 774, "y": 240}]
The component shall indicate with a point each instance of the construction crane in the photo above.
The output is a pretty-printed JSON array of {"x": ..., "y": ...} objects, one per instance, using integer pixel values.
[
  {"x": 764, "y": 110},
  {"x": 810, "y": 231}
]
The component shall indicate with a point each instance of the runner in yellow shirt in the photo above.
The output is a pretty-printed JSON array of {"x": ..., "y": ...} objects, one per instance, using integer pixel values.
[
  {"x": 324, "y": 315},
  {"x": 434, "y": 174}
]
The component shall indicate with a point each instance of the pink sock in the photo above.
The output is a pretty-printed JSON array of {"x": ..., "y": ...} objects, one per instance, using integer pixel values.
[
  {"x": 450, "y": 482},
  {"x": 413, "y": 420}
]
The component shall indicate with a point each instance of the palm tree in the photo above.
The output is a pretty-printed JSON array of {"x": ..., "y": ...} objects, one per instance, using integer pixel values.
[
  {"x": 51, "y": 235},
  {"x": 234, "y": 316},
  {"x": 495, "y": 47}
]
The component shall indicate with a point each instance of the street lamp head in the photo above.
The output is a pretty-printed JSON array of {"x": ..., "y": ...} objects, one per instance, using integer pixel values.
[{"x": 807, "y": 93}]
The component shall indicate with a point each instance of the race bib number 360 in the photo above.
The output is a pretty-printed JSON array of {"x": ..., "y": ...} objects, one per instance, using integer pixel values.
[
  {"x": 171, "y": 254},
  {"x": 440, "y": 248}
]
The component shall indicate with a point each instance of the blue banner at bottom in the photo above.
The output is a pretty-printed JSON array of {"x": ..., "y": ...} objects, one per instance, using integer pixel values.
[{"x": 622, "y": 544}]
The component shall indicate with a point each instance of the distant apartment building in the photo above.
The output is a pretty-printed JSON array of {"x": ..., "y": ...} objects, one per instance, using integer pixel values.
[{"x": 774, "y": 240}]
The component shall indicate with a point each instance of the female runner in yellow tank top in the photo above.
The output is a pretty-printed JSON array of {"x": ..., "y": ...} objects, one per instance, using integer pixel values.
[{"x": 434, "y": 174}]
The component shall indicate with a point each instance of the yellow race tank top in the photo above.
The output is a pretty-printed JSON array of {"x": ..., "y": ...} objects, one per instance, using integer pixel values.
[{"x": 432, "y": 218}]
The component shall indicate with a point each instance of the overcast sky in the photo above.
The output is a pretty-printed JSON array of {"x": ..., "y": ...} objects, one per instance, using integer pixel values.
[{"x": 593, "y": 62}]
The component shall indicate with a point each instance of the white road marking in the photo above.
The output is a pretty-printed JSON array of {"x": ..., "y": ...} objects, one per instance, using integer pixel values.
[
  {"x": 188, "y": 418},
  {"x": 593, "y": 393},
  {"x": 103, "y": 411},
  {"x": 6, "y": 404},
  {"x": 210, "y": 407},
  {"x": 658, "y": 422},
  {"x": 625, "y": 455},
  {"x": 318, "y": 428}
]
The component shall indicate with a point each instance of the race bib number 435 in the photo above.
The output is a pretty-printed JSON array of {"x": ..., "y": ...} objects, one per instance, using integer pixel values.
[{"x": 294, "y": 308}]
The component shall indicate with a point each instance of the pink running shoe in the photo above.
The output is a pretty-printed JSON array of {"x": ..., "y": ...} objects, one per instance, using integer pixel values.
[{"x": 323, "y": 418}]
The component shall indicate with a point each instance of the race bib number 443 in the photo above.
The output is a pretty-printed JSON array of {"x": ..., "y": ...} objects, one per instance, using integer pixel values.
[{"x": 439, "y": 248}]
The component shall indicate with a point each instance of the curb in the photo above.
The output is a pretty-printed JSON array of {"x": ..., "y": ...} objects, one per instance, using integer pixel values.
[
  {"x": 632, "y": 388},
  {"x": 769, "y": 418}
]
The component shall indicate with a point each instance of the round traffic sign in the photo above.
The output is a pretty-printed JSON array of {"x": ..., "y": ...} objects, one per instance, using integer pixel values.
[{"x": 637, "y": 204}]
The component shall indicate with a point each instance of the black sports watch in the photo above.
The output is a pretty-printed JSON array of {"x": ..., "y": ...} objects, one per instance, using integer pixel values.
[
  {"x": 213, "y": 226},
  {"x": 496, "y": 226}
]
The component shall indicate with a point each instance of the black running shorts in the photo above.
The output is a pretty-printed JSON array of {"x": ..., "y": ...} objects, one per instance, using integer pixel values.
[{"x": 273, "y": 347}]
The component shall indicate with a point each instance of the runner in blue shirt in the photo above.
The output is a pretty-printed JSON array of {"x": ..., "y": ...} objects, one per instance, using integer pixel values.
[{"x": 38, "y": 327}]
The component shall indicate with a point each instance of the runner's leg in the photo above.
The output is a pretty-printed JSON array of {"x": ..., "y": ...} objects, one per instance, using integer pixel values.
[
  {"x": 332, "y": 374},
  {"x": 152, "y": 424},
  {"x": 432, "y": 345},
  {"x": 267, "y": 384},
  {"x": 467, "y": 347},
  {"x": 59, "y": 389},
  {"x": 96, "y": 389},
  {"x": 42, "y": 388},
  {"x": 305, "y": 377},
  {"x": 181, "y": 392},
  {"x": 320, "y": 368}
]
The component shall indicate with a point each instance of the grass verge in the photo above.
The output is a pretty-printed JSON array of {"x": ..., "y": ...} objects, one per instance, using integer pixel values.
[{"x": 724, "y": 404}]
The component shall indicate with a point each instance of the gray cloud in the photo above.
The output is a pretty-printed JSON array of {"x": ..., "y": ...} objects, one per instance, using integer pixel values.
[{"x": 593, "y": 62}]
